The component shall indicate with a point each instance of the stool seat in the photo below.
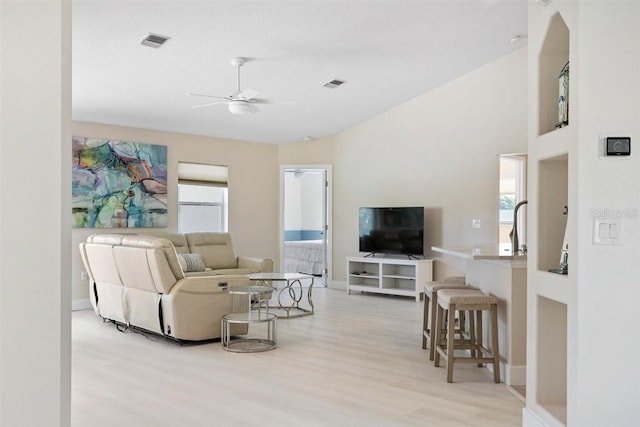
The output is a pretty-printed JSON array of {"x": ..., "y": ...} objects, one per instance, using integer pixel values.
[
  {"x": 464, "y": 297},
  {"x": 471, "y": 301},
  {"x": 456, "y": 279},
  {"x": 431, "y": 290},
  {"x": 431, "y": 287}
]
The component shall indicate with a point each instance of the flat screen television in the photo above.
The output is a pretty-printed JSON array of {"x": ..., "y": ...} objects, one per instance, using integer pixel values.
[{"x": 392, "y": 230}]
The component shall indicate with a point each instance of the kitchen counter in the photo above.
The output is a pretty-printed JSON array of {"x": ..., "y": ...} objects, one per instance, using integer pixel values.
[
  {"x": 496, "y": 270},
  {"x": 487, "y": 252}
]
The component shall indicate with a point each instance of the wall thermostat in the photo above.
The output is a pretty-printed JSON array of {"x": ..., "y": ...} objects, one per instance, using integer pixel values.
[{"x": 618, "y": 146}]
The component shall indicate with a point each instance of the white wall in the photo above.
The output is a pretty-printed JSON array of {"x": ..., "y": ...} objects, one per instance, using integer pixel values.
[
  {"x": 438, "y": 150},
  {"x": 253, "y": 189},
  {"x": 293, "y": 204},
  {"x": 606, "y": 385},
  {"x": 35, "y": 119}
]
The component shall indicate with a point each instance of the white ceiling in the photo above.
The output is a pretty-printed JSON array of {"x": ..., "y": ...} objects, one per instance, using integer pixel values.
[{"x": 387, "y": 51}]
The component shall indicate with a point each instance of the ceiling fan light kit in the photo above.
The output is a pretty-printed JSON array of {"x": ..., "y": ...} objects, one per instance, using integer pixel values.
[{"x": 239, "y": 107}]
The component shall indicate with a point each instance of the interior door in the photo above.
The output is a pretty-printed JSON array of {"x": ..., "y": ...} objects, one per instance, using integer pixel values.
[{"x": 305, "y": 221}]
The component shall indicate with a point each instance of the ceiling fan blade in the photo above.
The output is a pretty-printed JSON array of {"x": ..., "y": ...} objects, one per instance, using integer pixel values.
[
  {"x": 247, "y": 94},
  {"x": 206, "y": 96},
  {"x": 273, "y": 101},
  {"x": 253, "y": 108},
  {"x": 209, "y": 104}
]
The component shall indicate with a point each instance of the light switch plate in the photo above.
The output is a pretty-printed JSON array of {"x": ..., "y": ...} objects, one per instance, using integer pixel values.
[{"x": 607, "y": 232}]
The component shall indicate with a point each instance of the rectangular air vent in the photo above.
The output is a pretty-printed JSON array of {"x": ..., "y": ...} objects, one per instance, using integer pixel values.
[
  {"x": 333, "y": 84},
  {"x": 154, "y": 40}
]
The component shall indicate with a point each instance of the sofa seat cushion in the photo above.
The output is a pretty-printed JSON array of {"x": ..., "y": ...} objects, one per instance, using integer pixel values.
[
  {"x": 225, "y": 271},
  {"x": 191, "y": 262},
  {"x": 242, "y": 271}
]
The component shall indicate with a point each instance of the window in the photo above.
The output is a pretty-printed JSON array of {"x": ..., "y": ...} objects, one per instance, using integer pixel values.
[
  {"x": 202, "y": 197},
  {"x": 512, "y": 191}
]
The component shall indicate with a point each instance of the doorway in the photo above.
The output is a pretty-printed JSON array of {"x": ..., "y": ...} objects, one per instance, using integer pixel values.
[{"x": 305, "y": 244}]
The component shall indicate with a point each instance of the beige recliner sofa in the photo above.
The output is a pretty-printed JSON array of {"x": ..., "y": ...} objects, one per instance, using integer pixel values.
[{"x": 137, "y": 280}]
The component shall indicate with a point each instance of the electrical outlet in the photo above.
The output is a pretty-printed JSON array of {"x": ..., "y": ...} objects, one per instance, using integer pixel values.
[
  {"x": 476, "y": 223},
  {"x": 84, "y": 275}
]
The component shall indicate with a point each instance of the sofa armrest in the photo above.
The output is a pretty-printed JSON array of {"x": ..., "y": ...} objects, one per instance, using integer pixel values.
[
  {"x": 194, "y": 307},
  {"x": 208, "y": 284},
  {"x": 264, "y": 265}
]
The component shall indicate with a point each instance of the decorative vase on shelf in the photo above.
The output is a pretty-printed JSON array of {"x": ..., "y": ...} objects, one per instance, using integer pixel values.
[{"x": 563, "y": 96}]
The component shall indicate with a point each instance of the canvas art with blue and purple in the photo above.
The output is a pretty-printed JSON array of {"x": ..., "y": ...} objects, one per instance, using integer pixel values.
[{"x": 118, "y": 184}]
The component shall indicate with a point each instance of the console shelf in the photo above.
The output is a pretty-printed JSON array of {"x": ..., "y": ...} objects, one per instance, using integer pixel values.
[{"x": 392, "y": 276}]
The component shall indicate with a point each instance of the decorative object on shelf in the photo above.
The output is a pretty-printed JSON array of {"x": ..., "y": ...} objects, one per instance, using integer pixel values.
[
  {"x": 563, "y": 268},
  {"x": 563, "y": 97},
  {"x": 118, "y": 184}
]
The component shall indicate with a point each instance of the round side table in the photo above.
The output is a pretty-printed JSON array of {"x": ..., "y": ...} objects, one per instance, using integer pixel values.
[{"x": 258, "y": 296}]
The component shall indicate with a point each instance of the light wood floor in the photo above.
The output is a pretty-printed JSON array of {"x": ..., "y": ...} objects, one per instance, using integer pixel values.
[{"x": 357, "y": 362}]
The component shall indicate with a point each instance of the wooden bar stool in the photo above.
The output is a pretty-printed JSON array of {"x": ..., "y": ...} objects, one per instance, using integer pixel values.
[
  {"x": 467, "y": 300},
  {"x": 431, "y": 305}
]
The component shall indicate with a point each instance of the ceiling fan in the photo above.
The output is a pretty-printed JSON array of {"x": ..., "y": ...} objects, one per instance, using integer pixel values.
[{"x": 241, "y": 101}]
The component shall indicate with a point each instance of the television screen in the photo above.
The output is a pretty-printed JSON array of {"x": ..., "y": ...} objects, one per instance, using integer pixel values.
[{"x": 392, "y": 230}]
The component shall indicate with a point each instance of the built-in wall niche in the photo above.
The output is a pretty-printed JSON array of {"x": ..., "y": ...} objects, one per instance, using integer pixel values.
[
  {"x": 554, "y": 58},
  {"x": 553, "y": 212},
  {"x": 551, "y": 369}
]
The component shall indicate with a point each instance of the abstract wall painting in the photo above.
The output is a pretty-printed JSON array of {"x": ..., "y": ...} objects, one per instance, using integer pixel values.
[{"x": 118, "y": 184}]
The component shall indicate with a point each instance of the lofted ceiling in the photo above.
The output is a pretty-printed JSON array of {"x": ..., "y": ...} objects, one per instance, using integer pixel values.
[{"x": 387, "y": 52}]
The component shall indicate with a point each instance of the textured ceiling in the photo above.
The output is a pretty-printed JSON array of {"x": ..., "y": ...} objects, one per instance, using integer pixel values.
[{"x": 387, "y": 52}]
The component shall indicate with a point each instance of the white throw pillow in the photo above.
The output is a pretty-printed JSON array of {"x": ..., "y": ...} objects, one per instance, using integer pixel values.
[{"x": 191, "y": 262}]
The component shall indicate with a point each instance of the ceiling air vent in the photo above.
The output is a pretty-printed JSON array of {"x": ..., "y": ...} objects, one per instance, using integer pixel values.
[
  {"x": 154, "y": 40},
  {"x": 333, "y": 84}
]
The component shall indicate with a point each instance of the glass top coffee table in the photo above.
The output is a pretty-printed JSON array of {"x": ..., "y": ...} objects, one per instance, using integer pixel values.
[
  {"x": 257, "y": 312},
  {"x": 291, "y": 295}
]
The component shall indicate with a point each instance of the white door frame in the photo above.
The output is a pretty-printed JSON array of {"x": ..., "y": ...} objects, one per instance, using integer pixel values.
[{"x": 328, "y": 216}]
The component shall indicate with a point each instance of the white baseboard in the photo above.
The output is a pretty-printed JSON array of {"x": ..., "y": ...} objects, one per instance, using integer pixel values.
[
  {"x": 511, "y": 375},
  {"x": 529, "y": 419},
  {"x": 81, "y": 304}
]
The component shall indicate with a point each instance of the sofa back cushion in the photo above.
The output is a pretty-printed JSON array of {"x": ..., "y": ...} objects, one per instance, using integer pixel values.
[
  {"x": 103, "y": 271},
  {"x": 215, "y": 248},
  {"x": 101, "y": 263},
  {"x": 106, "y": 239},
  {"x": 144, "y": 269},
  {"x": 178, "y": 240},
  {"x": 161, "y": 254}
]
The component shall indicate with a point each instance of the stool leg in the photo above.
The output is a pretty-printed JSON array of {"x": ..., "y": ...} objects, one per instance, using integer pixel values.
[
  {"x": 425, "y": 320},
  {"x": 462, "y": 323},
  {"x": 436, "y": 334},
  {"x": 494, "y": 343},
  {"x": 479, "y": 337},
  {"x": 434, "y": 310},
  {"x": 472, "y": 334},
  {"x": 450, "y": 341}
]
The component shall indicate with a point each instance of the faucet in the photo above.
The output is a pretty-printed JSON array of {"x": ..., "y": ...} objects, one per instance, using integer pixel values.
[{"x": 515, "y": 247}]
